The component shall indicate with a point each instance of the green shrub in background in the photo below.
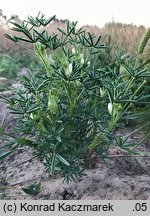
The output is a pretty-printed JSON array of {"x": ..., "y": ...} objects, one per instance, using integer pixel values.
[
  {"x": 29, "y": 61},
  {"x": 67, "y": 112},
  {"x": 142, "y": 113},
  {"x": 8, "y": 66}
]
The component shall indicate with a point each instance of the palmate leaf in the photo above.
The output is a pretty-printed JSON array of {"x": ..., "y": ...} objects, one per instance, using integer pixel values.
[
  {"x": 33, "y": 22},
  {"x": 11, "y": 37},
  {"x": 43, "y": 21}
]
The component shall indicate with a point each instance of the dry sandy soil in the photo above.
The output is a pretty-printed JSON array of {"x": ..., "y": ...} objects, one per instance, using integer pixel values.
[{"x": 121, "y": 179}]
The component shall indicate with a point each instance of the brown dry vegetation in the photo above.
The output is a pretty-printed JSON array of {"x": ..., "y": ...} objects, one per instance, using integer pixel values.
[{"x": 121, "y": 37}]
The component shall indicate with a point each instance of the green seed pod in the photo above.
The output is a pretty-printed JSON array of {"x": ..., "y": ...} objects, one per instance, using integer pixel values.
[
  {"x": 123, "y": 72},
  {"x": 52, "y": 104}
]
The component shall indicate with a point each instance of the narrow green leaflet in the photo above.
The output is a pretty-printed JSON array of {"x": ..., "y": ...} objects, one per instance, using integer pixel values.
[
  {"x": 25, "y": 142},
  {"x": 61, "y": 159},
  {"x": 53, "y": 161},
  {"x": 6, "y": 154}
]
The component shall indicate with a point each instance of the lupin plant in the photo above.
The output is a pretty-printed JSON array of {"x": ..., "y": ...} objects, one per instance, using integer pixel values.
[{"x": 68, "y": 112}]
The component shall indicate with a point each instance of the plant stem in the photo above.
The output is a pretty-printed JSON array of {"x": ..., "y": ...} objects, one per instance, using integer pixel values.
[
  {"x": 128, "y": 155},
  {"x": 141, "y": 142},
  {"x": 43, "y": 60}
]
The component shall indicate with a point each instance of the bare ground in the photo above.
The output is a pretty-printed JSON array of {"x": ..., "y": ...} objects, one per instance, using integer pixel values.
[{"x": 123, "y": 178}]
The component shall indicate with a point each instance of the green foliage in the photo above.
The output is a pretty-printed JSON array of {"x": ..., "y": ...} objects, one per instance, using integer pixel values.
[
  {"x": 3, "y": 183},
  {"x": 28, "y": 60},
  {"x": 8, "y": 66},
  {"x": 68, "y": 111}
]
